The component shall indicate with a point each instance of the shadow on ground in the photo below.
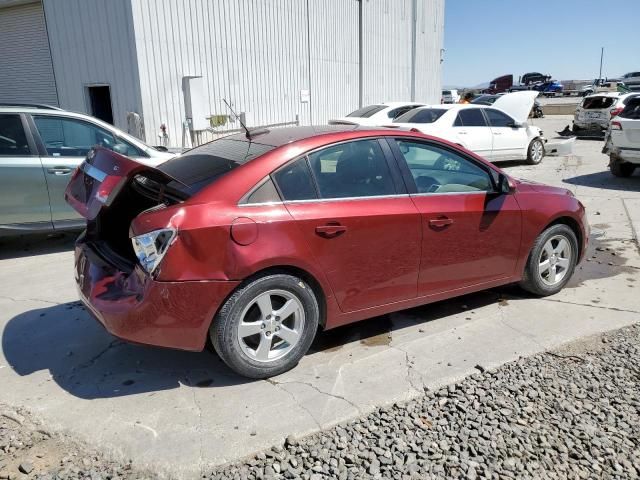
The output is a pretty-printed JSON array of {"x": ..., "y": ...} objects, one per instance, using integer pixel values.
[
  {"x": 606, "y": 181},
  {"x": 36, "y": 244},
  {"x": 86, "y": 361}
]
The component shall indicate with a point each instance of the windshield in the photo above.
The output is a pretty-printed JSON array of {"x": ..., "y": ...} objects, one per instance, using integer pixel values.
[
  {"x": 366, "y": 112},
  {"x": 202, "y": 165},
  {"x": 423, "y": 115}
]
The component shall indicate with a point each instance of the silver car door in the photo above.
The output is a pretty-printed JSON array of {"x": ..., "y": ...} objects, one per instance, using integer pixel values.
[{"x": 24, "y": 200}]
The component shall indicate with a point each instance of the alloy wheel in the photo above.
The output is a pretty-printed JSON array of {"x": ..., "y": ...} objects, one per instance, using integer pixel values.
[
  {"x": 536, "y": 151},
  {"x": 271, "y": 325},
  {"x": 555, "y": 260}
]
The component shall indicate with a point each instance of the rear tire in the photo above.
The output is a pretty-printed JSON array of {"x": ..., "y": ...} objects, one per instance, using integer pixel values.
[
  {"x": 246, "y": 332},
  {"x": 620, "y": 168},
  {"x": 551, "y": 261},
  {"x": 535, "y": 152}
]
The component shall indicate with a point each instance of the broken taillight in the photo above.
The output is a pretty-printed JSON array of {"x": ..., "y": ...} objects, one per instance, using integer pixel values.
[
  {"x": 616, "y": 126},
  {"x": 616, "y": 111}
]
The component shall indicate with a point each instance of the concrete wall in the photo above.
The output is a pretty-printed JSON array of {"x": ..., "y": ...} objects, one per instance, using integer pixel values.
[{"x": 92, "y": 42}]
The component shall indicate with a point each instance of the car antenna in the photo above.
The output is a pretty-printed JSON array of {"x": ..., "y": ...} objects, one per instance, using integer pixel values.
[{"x": 244, "y": 127}]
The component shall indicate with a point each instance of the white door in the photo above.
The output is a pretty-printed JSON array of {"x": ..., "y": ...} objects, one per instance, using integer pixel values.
[
  {"x": 509, "y": 141},
  {"x": 471, "y": 130}
]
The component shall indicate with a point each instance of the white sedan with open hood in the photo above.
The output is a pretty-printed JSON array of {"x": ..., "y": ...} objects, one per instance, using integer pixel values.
[
  {"x": 376, "y": 115},
  {"x": 496, "y": 132}
]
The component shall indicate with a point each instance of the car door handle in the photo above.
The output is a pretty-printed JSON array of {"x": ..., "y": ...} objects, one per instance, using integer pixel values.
[
  {"x": 330, "y": 231},
  {"x": 59, "y": 170},
  {"x": 497, "y": 133},
  {"x": 462, "y": 133},
  {"x": 440, "y": 222}
]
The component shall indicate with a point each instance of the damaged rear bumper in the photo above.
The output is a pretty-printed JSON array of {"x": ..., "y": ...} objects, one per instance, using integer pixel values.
[{"x": 136, "y": 308}]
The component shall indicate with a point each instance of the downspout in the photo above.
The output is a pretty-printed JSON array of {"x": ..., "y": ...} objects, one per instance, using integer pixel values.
[
  {"x": 414, "y": 32},
  {"x": 360, "y": 55},
  {"x": 309, "y": 65}
]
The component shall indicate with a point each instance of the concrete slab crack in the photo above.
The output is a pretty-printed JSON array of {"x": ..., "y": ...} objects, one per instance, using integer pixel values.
[
  {"x": 411, "y": 369},
  {"x": 297, "y": 402},
  {"x": 601, "y": 307},
  {"x": 312, "y": 386},
  {"x": 96, "y": 357},
  {"x": 13, "y": 299},
  {"x": 198, "y": 427}
]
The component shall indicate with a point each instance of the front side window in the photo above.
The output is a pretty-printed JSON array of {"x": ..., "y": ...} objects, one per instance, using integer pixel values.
[
  {"x": 352, "y": 169},
  {"x": 470, "y": 117},
  {"x": 13, "y": 141},
  {"x": 497, "y": 118},
  {"x": 437, "y": 170}
]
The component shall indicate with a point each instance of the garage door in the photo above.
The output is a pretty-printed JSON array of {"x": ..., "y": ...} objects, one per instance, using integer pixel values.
[{"x": 26, "y": 72}]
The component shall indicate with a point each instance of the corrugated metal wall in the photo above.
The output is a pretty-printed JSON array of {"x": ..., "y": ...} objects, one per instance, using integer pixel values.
[
  {"x": 26, "y": 72},
  {"x": 262, "y": 54},
  {"x": 92, "y": 42}
]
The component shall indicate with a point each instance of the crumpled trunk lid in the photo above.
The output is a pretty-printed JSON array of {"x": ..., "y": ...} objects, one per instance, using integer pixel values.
[{"x": 98, "y": 180}]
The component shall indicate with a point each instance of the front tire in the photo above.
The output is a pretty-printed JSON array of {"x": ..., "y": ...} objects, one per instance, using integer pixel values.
[
  {"x": 620, "y": 168},
  {"x": 266, "y": 326},
  {"x": 551, "y": 261},
  {"x": 535, "y": 152}
]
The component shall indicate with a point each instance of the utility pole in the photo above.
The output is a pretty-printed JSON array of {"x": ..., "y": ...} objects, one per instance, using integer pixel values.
[
  {"x": 360, "y": 55},
  {"x": 601, "y": 56},
  {"x": 414, "y": 32}
]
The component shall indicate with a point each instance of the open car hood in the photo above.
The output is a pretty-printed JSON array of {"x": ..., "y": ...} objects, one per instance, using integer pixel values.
[{"x": 517, "y": 104}]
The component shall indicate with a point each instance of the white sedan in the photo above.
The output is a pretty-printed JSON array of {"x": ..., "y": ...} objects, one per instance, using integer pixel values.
[
  {"x": 375, "y": 115},
  {"x": 496, "y": 132}
]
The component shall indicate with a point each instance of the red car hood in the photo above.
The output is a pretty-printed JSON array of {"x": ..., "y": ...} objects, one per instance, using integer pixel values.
[{"x": 528, "y": 185}]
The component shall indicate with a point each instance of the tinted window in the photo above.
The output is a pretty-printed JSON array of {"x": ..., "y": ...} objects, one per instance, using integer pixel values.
[
  {"x": 13, "y": 141},
  {"x": 265, "y": 193},
  {"x": 597, "y": 102},
  {"x": 352, "y": 169},
  {"x": 396, "y": 112},
  {"x": 295, "y": 182},
  {"x": 68, "y": 137},
  {"x": 202, "y": 165},
  {"x": 497, "y": 118},
  {"x": 470, "y": 117},
  {"x": 422, "y": 115},
  {"x": 436, "y": 170},
  {"x": 632, "y": 110},
  {"x": 366, "y": 112}
]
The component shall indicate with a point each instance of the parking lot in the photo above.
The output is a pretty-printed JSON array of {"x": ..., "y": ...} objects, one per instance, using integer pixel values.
[{"x": 181, "y": 412}]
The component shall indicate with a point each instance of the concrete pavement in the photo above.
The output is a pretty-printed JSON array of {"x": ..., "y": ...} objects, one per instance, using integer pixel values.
[{"x": 179, "y": 412}]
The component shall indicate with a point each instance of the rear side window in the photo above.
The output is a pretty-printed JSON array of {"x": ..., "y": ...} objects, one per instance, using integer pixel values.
[
  {"x": 397, "y": 112},
  {"x": 497, "y": 118},
  {"x": 423, "y": 115},
  {"x": 596, "y": 103},
  {"x": 352, "y": 169},
  {"x": 366, "y": 112},
  {"x": 265, "y": 193},
  {"x": 13, "y": 141},
  {"x": 204, "y": 164},
  {"x": 470, "y": 117},
  {"x": 632, "y": 110},
  {"x": 295, "y": 182}
]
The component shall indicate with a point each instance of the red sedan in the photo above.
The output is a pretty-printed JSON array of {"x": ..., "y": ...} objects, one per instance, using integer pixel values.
[{"x": 256, "y": 241}]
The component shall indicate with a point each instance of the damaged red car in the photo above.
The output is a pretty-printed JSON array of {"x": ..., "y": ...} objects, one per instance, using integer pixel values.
[{"x": 257, "y": 241}]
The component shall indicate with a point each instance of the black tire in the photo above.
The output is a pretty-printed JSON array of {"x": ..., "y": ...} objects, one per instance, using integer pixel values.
[
  {"x": 532, "y": 157},
  {"x": 224, "y": 329},
  {"x": 531, "y": 279},
  {"x": 620, "y": 168}
]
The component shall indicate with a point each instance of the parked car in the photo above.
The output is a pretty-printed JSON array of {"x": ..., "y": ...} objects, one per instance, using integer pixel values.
[
  {"x": 623, "y": 143},
  {"x": 631, "y": 79},
  {"x": 496, "y": 132},
  {"x": 40, "y": 147},
  {"x": 256, "y": 243},
  {"x": 534, "y": 77},
  {"x": 596, "y": 111},
  {"x": 450, "y": 96},
  {"x": 376, "y": 114},
  {"x": 485, "y": 99},
  {"x": 603, "y": 86},
  {"x": 549, "y": 87}
]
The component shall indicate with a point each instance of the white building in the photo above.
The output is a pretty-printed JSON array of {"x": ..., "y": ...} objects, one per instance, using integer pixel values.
[{"x": 274, "y": 60}]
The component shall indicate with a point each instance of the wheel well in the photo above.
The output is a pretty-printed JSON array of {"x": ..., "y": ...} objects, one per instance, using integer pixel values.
[
  {"x": 304, "y": 275},
  {"x": 573, "y": 225}
]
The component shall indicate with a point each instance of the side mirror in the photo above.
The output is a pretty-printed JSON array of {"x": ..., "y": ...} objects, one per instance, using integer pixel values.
[
  {"x": 515, "y": 124},
  {"x": 506, "y": 185},
  {"x": 120, "y": 148}
]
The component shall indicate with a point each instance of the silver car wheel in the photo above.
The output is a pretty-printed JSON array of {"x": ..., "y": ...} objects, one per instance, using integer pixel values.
[
  {"x": 555, "y": 260},
  {"x": 271, "y": 325},
  {"x": 537, "y": 151}
]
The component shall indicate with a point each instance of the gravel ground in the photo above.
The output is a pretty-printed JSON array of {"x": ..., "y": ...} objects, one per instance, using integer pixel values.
[{"x": 572, "y": 413}]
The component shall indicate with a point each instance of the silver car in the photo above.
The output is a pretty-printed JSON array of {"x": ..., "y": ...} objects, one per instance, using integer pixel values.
[
  {"x": 596, "y": 111},
  {"x": 40, "y": 147}
]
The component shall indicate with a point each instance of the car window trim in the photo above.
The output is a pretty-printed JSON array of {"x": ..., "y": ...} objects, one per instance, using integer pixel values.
[
  {"x": 486, "y": 117},
  {"x": 482, "y": 114},
  {"x": 244, "y": 200},
  {"x": 410, "y": 182},
  {"x": 33, "y": 151}
]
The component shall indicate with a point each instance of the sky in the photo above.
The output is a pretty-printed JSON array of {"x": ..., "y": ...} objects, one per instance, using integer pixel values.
[{"x": 484, "y": 39}]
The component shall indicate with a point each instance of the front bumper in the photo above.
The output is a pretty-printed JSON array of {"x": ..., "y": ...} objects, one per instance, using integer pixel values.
[{"x": 136, "y": 308}]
